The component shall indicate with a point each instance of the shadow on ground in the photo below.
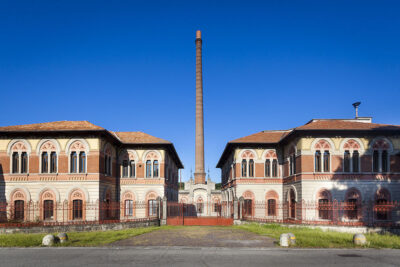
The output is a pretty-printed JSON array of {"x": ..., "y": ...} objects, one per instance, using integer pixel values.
[{"x": 199, "y": 236}]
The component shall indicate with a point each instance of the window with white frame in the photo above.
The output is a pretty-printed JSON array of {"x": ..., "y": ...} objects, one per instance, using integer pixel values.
[
  {"x": 322, "y": 156},
  {"x": 77, "y": 157},
  {"x": 48, "y": 157},
  {"x": 152, "y": 165},
  {"x": 19, "y": 158},
  {"x": 351, "y": 156},
  {"x": 248, "y": 166},
  {"x": 380, "y": 156}
]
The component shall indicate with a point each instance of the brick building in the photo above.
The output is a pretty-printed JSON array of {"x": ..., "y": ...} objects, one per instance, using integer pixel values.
[
  {"x": 347, "y": 160},
  {"x": 78, "y": 163}
]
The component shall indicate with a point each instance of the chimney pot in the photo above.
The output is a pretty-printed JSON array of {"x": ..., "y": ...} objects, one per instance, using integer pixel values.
[{"x": 198, "y": 34}]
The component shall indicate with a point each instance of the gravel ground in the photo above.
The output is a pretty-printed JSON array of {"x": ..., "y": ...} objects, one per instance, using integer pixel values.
[{"x": 199, "y": 236}]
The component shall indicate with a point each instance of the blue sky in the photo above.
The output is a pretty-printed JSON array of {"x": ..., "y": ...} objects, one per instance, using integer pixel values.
[{"x": 130, "y": 65}]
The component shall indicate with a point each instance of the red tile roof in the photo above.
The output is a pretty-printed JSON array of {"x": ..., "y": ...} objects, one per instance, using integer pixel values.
[
  {"x": 332, "y": 124},
  {"x": 53, "y": 126},
  {"x": 139, "y": 138},
  {"x": 262, "y": 137}
]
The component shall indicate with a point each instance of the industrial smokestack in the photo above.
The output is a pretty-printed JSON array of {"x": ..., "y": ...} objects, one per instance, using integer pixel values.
[{"x": 199, "y": 173}]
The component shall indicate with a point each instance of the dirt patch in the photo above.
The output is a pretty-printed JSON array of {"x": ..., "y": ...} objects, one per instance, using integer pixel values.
[{"x": 199, "y": 236}]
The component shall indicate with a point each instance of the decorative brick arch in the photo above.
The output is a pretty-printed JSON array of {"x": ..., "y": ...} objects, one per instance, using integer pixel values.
[
  {"x": 48, "y": 194},
  {"x": 351, "y": 144},
  {"x": 18, "y": 195},
  {"x": 19, "y": 145},
  {"x": 49, "y": 145},
  {"x": 77, "y": 145},
  {"x": 322, "y": 144},
  {"x": 128, "y": 195},
  {"x": 271, "y": 195},
  {"x": 270, "y": 154},
  {"x": 152, "y": 155},
  {"x": 324, "y": 193},
  {"x": 151, "y": 195},
  {"x": 249, "y": 195},
  {"x": 383, "y": 193},
  {"x": 248, "y": 154},
  {"x": 381, "y": 143},
  {"x": 76, "y": 194}
]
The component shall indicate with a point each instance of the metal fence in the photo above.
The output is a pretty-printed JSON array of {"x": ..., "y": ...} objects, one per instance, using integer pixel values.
[
  {"x": 50, "y": 213},
  {"x": 323, "y": 213}
]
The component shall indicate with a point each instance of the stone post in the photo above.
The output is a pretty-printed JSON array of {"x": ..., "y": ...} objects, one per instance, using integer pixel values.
[
  {"x": 163, "y": 220},
  {"x": 235, "y": 208},
  {"x": 241, "y": 201}
]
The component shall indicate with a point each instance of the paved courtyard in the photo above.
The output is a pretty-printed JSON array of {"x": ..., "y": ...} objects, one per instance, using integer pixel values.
[{"x": 199, "y": 236}]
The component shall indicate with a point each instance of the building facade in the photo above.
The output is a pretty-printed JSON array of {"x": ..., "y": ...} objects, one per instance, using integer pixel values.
[
  {"x": 82, "y": 167},
  {"x": 351, "y": 161}
]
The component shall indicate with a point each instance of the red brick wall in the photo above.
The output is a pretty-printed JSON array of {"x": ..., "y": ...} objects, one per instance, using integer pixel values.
[
  {"x": 63, "y": 163},
  {"x": 5, "y": 162},
  {"x": 366, "y": 163},
  {"x": 33, "y": 163},
  {"x": 336, "y": 163}
]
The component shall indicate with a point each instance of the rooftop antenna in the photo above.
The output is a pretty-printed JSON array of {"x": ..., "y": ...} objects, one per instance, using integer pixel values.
[{"x": 356, "y": 105}]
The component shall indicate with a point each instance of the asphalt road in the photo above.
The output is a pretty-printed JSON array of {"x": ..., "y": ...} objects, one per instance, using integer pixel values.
[{"x": 189, "y": 256}]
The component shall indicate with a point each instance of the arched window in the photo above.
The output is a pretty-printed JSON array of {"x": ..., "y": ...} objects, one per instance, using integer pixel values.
[
  {"x": 351, "y": 156},
  {"x": 251, "y": 168},
  {"x": 153, "y": 207},
  {"x": 155, "y": 168},
  {"x": 275, "y": 168},
  {"x": 267, "y": 168},
  {"x": 324, "y": 206},
  {"x": 15, "y": 162},
  {"x": 45, "y": 162},
  {"x": 124, "y": 168},
  {"x": 108, "y": 160},
  {"x": 77, "y": 209},
  {"x": 24, "y": 162},
  {"x": 244, "y": 168},
  {"x": 346, "y": 161},
  {"x": 148, "y": 168},
  {"x": 382, "y": 207},
  {"x": 132, "y": 170},
  {"x": 48, "y": 210},
  {"x": 326, "y": 161},
  {"x": 381, "y": 157},
  {"x": 19, "y": 158},
  {"x": 48, "y": 156},
  {"x": 19, "y": 210},
  {"x": 82, "y": 162},
  {"x": 317, "y": 159},
  {"x": 53, "y": 162},
  {"x": 353, "y": 201},
  {"x": 271, "y": 207},
  {"x": 74, "y": 163},
  {"x": 129, "y": 207}
]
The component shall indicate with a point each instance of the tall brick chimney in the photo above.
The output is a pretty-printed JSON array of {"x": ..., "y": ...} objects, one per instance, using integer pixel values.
[{"x": 199, "y": 173}]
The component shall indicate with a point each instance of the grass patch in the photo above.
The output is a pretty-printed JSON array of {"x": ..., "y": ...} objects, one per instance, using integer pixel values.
[
  {"x": 76, "y": 239},
  {"x": 316, "y": 238}
]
